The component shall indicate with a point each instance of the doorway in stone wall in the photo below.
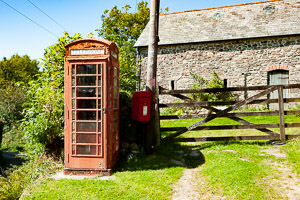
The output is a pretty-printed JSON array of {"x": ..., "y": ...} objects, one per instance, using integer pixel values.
[{"x": 278, "y": 77}]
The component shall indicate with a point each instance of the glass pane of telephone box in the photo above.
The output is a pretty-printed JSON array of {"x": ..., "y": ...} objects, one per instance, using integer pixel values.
[
  {"x": 86, "y": 115},
  {"x": 115, "y": 114},
  {"x": 99, "y": 139},
  {"x": 99, "y": 81},
  {"x": 99, "y": 115},
  {"x": 115, "y": 82},
  {"x": 86, "y": 127},
  {"x": 73, "y": 149},
  {"x": 85, "y": 80},
  {"x": 73, "y": 126},
  {"x": 115, "y": 103},
  {"x": 86, "y": 103},
  {"x": 86, "y": 69},
  {"x": 73, "y": 115},
  {"x": 86, "y": 150},
  {"x": 73, "y": 69},
  {"x": 86, "y": 92},
  {"x": 99, "y": 69},
  {"x": 115, "y": 125},
  {"x": 99, "y": 104},
  {"x": 99, "y": 127},
  {"x": 99, "y": 92},
  {"x": 115, "y": 72},
  {"x": 115, "y": 92},
  {"x": 86, "y": 138}
]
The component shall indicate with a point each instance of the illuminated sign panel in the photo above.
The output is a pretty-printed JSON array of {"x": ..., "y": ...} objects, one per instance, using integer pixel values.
[{"x": 75, "y": 52}]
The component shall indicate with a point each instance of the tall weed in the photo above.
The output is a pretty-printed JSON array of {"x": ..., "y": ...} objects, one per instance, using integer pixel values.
[{"x": 16, "y": 180}]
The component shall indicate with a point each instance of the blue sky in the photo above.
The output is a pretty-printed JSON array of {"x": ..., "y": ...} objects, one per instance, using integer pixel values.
[{"x": 20, "y": 35}]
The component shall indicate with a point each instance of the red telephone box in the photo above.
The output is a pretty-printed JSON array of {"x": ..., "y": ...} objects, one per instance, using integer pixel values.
[{"x": 91, "y": 107}]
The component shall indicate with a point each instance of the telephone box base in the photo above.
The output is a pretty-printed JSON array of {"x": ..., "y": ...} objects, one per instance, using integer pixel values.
[{"x": 88, "y": 172}]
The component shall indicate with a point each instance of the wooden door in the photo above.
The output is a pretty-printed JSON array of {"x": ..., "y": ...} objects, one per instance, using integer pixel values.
[{"x": 278, "y": 77}]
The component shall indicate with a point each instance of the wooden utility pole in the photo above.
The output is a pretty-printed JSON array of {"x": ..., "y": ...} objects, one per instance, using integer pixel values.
[{"x": 153, "y": 128}]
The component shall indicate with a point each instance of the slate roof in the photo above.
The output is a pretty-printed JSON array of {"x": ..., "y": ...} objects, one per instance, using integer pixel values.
[{"x": 251, "y": 20}]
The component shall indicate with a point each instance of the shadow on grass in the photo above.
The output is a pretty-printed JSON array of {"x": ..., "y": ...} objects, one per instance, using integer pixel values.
[
  {"x": 162, "y": 158},
  {"x": 8, "y": 159},
  {"x": 174, "y": 151}
]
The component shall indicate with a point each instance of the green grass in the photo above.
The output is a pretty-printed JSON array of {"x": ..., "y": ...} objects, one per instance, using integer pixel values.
[
  {"x": 143, "y": 177},
  {"x": 293, "y": 152},
  {"x": 146, "y": 184},
  {"x": 234, "y": 170},
  {"x": 237, "y": 170}
]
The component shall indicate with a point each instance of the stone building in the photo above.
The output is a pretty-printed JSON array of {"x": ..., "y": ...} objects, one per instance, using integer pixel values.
[{"x": 246, "y": 44}]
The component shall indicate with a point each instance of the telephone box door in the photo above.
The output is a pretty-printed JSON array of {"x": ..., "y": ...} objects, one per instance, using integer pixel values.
[{"x": 86, "y": 115}]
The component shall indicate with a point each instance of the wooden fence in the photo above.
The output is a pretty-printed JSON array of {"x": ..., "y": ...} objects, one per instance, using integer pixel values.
[{"x": 259, "y": 98}]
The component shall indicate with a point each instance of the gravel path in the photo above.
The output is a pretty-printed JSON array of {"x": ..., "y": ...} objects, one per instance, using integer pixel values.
[
  {"x": 186, "y": 187},
  {"x": 288, "y": 181}
]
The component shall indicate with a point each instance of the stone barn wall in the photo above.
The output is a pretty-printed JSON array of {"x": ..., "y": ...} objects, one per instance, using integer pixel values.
[{"x": 232, "y": 60}]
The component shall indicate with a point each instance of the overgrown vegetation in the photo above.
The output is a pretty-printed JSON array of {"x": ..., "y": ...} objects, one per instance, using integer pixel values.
[
  {"x": 214, "y": 82},
  {"x": 124, "y": 27},
  {"x": 44, "y": 116},
  {"x": 12, "y": 98},
  {"x": 136, "y": 177},
  {"x": 17, "y": 179},
  {"x": 201, "y": 83}
]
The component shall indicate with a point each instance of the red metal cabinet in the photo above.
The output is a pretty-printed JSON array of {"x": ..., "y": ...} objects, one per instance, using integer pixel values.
[
  {"x": 91, "y": 107},
  {"x": 141, "y": 102}
]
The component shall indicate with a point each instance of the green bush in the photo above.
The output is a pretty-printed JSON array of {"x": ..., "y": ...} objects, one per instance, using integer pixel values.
[
  {"x": 13, "y": 139},
  {"x": 18, "y": 179},
  {"x": 12, "y": 100},
  {"x": 127, "y": 126},
  {"x": 201, "y": 83},
  {"x": 214, "y": 82}
]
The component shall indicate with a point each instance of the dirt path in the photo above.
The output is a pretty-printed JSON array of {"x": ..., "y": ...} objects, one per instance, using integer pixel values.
[
  {"x": 189, "y": 187},
  {"x": 186, "y": 187},
  {"x": 288, "y": 182}
]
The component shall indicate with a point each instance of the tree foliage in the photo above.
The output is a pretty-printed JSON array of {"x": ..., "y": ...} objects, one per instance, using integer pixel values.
[
  {"x": 44, "y": 119},
  {"x": 17, "y": 68},
  {"x": 13, "y": 70},
  {"x": 123, "y": 27}
]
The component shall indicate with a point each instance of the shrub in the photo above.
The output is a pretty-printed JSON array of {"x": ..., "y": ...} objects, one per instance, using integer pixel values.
[
  {"x": 127, "y": 126},
  {"x": 12, "y": 100},
  {"x": 18, "y": 179},
  {"x": 214, "y": 82}
]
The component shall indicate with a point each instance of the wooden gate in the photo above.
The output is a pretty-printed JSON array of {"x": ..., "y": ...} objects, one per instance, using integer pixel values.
[{"x": 258, "y": 98}]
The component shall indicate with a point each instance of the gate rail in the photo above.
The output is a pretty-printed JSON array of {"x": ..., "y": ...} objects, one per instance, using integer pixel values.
[{"x": 256, "y": 99}]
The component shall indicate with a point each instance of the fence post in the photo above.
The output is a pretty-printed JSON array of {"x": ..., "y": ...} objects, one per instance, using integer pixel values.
[{"x": 281, "y": 112}]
